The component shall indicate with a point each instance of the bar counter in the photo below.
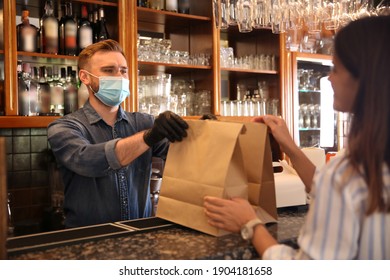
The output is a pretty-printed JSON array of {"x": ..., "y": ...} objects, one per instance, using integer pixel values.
[{"x": 147, "y": 239}]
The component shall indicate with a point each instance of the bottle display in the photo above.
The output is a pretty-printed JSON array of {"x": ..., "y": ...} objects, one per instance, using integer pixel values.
[
  {"x": 85, "y": 31},
  {"x": 26, "y": 34},
  {"x": 68, "y": 32},
  {"x": 49, "y": 30}
]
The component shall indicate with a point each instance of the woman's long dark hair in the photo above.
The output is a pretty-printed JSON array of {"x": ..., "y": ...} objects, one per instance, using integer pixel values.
[{"x": 363, "y": 47}]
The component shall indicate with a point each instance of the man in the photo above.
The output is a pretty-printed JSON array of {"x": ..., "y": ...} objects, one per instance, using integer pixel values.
[{"x": 104, "y": 153}]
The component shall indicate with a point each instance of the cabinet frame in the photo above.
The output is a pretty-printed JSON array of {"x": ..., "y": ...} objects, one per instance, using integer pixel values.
[{"x": 127, "y": 13}]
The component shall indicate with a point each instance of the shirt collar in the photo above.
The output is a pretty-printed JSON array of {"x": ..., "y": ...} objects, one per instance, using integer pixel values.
[{"x": 94, "y": 117}]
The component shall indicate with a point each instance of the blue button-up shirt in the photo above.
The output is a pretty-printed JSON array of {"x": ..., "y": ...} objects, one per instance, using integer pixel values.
[{"x": 97, "y": 188}]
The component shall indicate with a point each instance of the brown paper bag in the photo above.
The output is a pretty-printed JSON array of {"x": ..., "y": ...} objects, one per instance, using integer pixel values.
[{"x": 222, "y": 159}]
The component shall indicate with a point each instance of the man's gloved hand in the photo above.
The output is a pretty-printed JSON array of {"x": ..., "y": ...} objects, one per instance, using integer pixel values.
[
  {"x": 209, "y": 116},
  {"x": 166, "y": 125}
]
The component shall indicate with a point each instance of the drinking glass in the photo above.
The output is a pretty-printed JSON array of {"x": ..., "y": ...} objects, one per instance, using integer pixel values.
[
  {"x": 260, "y": 13},
  {"x": 331, "y": 14},
  {"x": 244, "y": 16},
  {"x": 232, "y": 12}
]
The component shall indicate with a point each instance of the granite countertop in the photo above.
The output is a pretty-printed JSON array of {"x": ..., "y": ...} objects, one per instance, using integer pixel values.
[{"x": 167, "y": 242}]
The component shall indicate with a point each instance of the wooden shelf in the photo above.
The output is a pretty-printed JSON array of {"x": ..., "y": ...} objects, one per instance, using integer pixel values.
[
  {"x": 34, "y": 57},
  {"x": 36, "y": 3},
  {"x": 255, "y": 71},
  {"x": 164, "y": 17},
  {"x": 99, "y": 2},
  {"x": 25, "y": 122},
  {"x": 151, "y": 67}
]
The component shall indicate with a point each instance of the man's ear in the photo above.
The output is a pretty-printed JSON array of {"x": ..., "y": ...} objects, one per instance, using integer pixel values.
[{"x": 84, "y": 77}]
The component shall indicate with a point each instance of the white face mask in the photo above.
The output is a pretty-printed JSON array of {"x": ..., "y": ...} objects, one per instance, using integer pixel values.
[{"x": 112, "y": 90}]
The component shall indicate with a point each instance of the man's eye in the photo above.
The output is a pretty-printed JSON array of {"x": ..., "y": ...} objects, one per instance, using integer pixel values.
[
  {"x": 108, "y": 71},
  {"x": 123, "y": 71}
]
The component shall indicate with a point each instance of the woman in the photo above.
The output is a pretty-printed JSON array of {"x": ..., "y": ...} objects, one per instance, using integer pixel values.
[{"x": 350, "y": 197}]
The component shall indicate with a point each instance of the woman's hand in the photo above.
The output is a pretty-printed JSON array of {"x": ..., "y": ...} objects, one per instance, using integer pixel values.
[
  {"x": 301, "y": 163},
  {"x": 228, "y": 214},
  {"x": 279, "y": 132}
]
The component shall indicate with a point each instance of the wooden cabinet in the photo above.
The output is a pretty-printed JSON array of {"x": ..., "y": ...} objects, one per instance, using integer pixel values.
[
  {"x": 194, "y": 33},
  {"x": 12, "y": 9},
  {"x": 2, "y": 94}
]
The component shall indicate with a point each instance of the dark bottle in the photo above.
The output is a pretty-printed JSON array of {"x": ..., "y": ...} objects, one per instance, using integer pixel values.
[
  {"x": 26, "y": 34},
  {"x": 68, "y": 32},
  {"x": 70, "y": 91},
  {"x": 49, "y": 30},
  {"x": 85, "y": 31},
  {"x": 102, "y": 32},
  {"x": 142, "y": 3},
  {"x": 43, "y": 93},
  {"x": 95, "y": 25},
  {"x": 184, "y": 6}
]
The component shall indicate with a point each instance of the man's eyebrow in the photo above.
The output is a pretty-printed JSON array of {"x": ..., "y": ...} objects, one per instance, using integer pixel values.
[{"x": 113, "y": 67}]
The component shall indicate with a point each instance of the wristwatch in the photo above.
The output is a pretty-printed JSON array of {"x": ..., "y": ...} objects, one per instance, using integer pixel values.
[{"x": 247, "y": 229}]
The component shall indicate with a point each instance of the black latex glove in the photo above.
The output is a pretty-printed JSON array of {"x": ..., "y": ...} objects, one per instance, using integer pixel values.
[
  {"x": 208, "y": 117},
  {"x": 166, "y": 125}
]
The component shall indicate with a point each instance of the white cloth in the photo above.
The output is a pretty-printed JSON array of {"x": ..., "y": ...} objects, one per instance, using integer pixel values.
[{"x": 336, "y": 225}]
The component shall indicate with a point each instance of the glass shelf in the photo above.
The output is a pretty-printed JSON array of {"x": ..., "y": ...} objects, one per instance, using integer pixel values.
[
  {"x": 309, "y": 91},
  {"x": 310, "y": 129}
]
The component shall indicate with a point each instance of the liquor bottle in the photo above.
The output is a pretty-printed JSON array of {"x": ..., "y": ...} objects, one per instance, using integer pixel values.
[
  {"x": 26, "y": 34},
  {"x": 34, "y": 91},
  {"x": 27, "y": 94},
  {"x": 85, "y": 31},
  {"x": 184, "y": 6},
  {"x": 70, "y": 91},
  {"x": 56, "y": 93},
  {"x": 82, "y": 94},
  {"x": 68, "y": 32},
  {"x": 102, "y": 32},
  {"x": 43, "y": 93},
  {"x": 62, "y": 18},
  {"x": 95, "y": 25},
  {"x": 22, "y": 92},
  {"x": 143, "y": 3},
  {"x": 49, "y": 30},
  {"x": 171, "y": 5}
]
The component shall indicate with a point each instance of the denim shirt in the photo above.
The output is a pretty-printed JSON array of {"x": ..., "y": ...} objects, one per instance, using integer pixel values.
[{"x": 97, "y": 188}]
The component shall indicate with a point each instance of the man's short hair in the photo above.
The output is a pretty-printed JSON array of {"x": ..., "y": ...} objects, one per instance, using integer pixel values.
[{"x": 102, "y": 46}]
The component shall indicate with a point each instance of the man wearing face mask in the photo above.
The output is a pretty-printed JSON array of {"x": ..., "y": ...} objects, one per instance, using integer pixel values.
[{"x": 104, "y": 153}]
